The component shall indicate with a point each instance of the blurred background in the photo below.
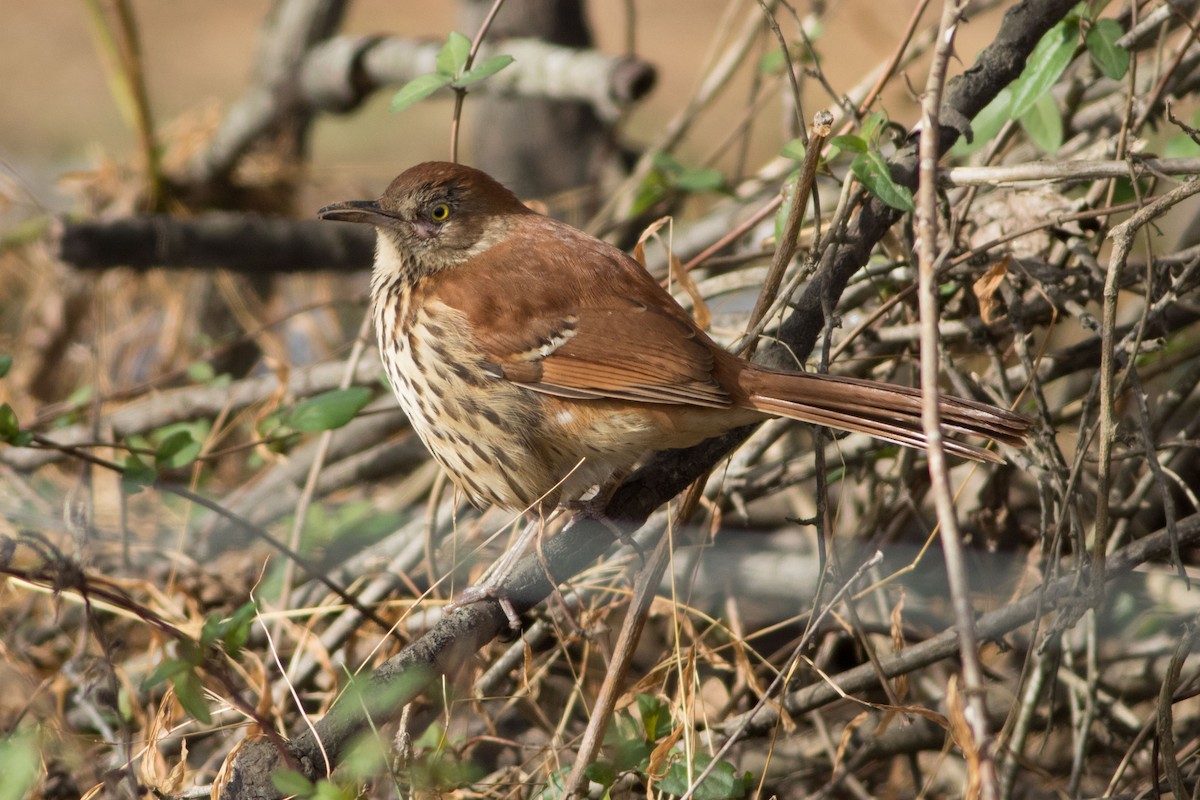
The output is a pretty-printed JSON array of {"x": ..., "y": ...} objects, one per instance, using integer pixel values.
[{"x": 60, "y": 115}]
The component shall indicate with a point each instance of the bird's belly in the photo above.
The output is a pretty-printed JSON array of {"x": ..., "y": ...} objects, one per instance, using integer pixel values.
[{"x": 511, "y": 446}]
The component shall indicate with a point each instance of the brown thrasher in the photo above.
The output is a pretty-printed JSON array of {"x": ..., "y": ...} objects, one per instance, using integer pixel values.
[{"x": 536, "y": 361}]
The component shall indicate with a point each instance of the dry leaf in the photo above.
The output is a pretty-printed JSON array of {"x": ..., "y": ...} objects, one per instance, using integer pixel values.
[
  {"x": 987, "y": 290},
  {"x": 680, "y": 275}
]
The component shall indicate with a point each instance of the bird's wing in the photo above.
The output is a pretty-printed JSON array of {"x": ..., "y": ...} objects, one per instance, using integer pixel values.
[{"x": 577, "y": 318}]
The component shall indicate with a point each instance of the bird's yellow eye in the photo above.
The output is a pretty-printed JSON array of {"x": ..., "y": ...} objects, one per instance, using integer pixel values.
[{"x": 440, "y": 212}]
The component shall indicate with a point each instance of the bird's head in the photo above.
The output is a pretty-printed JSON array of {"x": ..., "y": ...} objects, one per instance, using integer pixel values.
[{"x": 433, "y": 216}]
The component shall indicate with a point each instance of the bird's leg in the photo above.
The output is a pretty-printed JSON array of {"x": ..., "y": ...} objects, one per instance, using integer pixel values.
[{"x": 491, "y": 585}]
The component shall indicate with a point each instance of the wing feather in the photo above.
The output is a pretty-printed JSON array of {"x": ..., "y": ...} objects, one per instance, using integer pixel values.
[{"x": 603, "y": 333}]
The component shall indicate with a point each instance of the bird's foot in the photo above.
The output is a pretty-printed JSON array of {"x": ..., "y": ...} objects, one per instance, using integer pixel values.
[
  {"x": 491, "y": 586},
  {"x": 487, "y": 590},
  {"x": 594, "y": 511}
]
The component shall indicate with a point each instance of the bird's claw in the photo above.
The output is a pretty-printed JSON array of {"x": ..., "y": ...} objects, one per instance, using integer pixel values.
[{"x": 487, "y": 591}]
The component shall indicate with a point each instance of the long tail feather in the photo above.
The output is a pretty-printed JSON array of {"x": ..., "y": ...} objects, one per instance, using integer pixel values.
[{"x": 891, "y": 413}]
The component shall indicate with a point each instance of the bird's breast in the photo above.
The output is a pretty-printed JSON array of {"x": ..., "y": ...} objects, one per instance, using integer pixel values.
[{"x": 479, "y": 428}]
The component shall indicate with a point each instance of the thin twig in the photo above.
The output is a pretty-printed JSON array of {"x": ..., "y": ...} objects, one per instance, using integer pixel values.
[{"x": 986, "y": 781}]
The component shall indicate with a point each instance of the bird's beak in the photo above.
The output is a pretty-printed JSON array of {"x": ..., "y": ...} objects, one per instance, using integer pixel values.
[{"x": 368, "y": 211}]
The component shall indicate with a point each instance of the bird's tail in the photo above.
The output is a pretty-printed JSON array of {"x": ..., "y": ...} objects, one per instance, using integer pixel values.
[{"x": 888, "y": 412}]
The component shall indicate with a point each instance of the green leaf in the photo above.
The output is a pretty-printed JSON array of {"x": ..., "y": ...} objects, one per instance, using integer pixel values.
[
  {"x": 328, "y": 790},
  {"x": 1181, "y": 146},
  {"x": 652, "y": 189},
  {"x": 328, "y": 410},
  {"x": 1044, "y": 124},
  {"x": 794, "y": 150},
  {"x": 872, "y": 170},
  {"x": 80, "y": 396},
  {"x": 237, "y": 628},
  {"x": 10, "y": 428},
  {"x": 555, "y": 788},
  {"x": 6, "y": 362},
  {"x": 656, "y": 717},
  {"x": 20, "y": 764},
  {"x": 874, "y": 124},
  {"x": 201, "y": 372},
  {"x": 688, "y": 179},
  {"x": 625, "y": 744},
  {"x": 1046, "y": 64},
  {"x": 210, "y": 631},
  {"x": 850, "y": 142},
  {"x": 177, "y": 450},
  {"x": 484, "y": 70},
  {"x": 772, "y": 62},
  {"x": 136, "y": 473},
  {"x": 602, "y": 772},
  {"x": 453, "y": 56},
  {"x": 723, "y": 783},
  {"x": 288, "y": 781},
  {"x": 1101, "y": 41},
  {"x": 700, "y": 180},
  {"x": 418, "y": 89},
  {"x": 167, "y": 669},
  {"x": 190, "y": 692}
]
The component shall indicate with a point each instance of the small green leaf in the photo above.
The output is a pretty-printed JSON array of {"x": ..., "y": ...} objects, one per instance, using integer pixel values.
[
  {"x": 687, "y": 179},
  {"x": 167, "y": 669},
  {"x": 850, "y": 142},
  {"x": 601, "y": 772},
  {"x": 453, "y": 56},
  {"x": 1101, "y": 41},
  {"x": 1046, "y": 64},
  {"x": 1043, "y": 123},
  {"x": 723, "y": 783},
  {"x": 794, "y": 150},
  {"x": 136, "y": 473},
  {"x": 288, "y": 781},
  {"x": 772, "y": 62},
  {"x": 201, "y": 372},
  {"x": 6, "y": 362},
  {"x": 483, "y": 70},
  {"x": 555, "y": 787},
  {"x": 237, "y": 628},
  {"x": 80, "y": 396},
  {"x": 700, "y": 180},
  {"x": 652, "y": 189},
  {"x": 190, "y": 692},
  {"x": 328, "y": 790},
  {"x": 1181, "y": 146},
  {"x": 328, "y": 410},
  {"x": 418, "y": 89},
  {"x": 20, "y": 764},
  {"x": 177, "y": 450},
  {"x": 873, "y": 125},
  {"x": 211, "y": 630},
  {"x": 10, "y": 428},
  {"x": 656, "y": 717},
  {"x": 872, "y": 170}
]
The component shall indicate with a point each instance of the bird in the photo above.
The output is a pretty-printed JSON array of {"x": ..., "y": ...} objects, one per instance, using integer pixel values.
[{"x": 538, "y": 363}]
